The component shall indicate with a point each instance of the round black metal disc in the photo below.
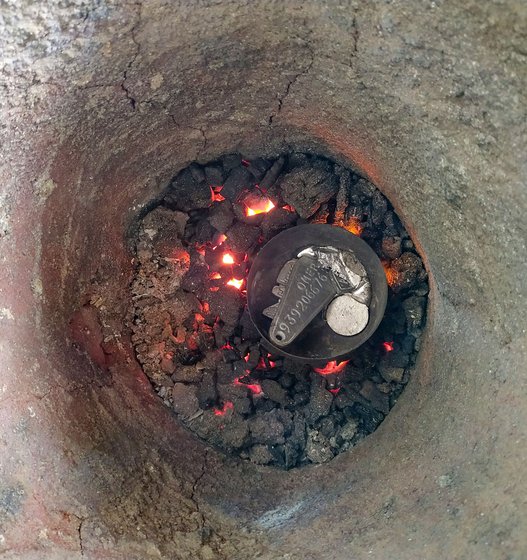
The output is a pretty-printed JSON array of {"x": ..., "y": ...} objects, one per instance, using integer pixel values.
[{"x": 318, "y": 344}]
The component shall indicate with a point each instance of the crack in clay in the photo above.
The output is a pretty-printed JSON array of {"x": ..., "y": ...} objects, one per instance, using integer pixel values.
[
  {"x": 129, "y": 96},
  {"x": 291, "y": 82}
]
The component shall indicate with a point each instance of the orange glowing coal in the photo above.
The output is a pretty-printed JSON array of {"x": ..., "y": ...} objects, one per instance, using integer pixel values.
[
  {"x": 215, "y": 276},
  {"x": 255, "y": 388},
  {"x": 236, "y": 283},
  {"x": 221, "y": 411},
  {"x": 215, "y": 195},
  {"x": 261, "y": 206},
  {"x": 227, "y": 258},
  {"x": 332, "y": 367},
  {"x": 354, "y": 226},
  {"x": 391, "y": 274},
  {"x": 388, "y": 346}
]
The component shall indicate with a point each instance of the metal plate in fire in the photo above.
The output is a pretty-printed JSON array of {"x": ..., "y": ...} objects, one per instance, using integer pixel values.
[{"x": 316, "y": 292}]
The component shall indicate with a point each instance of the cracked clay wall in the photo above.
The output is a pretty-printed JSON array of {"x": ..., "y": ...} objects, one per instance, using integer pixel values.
[{"x": 101, "y": 102}]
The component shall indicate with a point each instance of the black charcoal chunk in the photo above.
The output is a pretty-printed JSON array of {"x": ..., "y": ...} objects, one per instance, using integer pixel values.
[
  {"x": 272, "y": 174},
  {"x": 188, "y": 191},
  {"x": 307, "y": 188},
  {"x": 274, "y": 391},
  {"x": 241, "y": 237},
  {"x": 221, "y": 216},
  {"x": 238, "y": 181},
  {"x": 207, "y": 394}
]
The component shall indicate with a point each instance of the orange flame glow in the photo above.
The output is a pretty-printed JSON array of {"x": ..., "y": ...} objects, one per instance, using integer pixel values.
[
  {"x": 354, "y": 226},
  {"x": 227, "y": 258},
  {"x": 388, "y": 346},
  {"x": 215, "y": 276},
  {"x": 391, "y": 274},
  {"x": 235, "y": 283},
  {"x": 215, "y": 194},
  {"x": 331, "y": 367},
  {"x": 221, "y": 411},
  {"x": 255, "y": 388},
  {"x": 261, "y": 206}
]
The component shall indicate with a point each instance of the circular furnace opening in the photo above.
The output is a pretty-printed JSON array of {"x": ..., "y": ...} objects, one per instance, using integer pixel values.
[{"x": 193, "y": 334}]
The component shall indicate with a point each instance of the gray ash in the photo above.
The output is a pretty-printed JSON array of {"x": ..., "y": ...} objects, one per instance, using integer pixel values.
[{"x": 195, "y": 340}]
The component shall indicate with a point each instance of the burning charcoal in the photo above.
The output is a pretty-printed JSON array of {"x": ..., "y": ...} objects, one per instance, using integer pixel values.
[
  {"x": 368, "y": 418},
  {"x": 266, "y": 428},
  {"x": 231, "y": 161},
  {"x": 406, "y": 268},
  {"x": 203, "y": 232},
  {"x": 391, "y": 247},
  {"x": 274, "y": 391},
  {"x": 253, "y": 357},
  {"x": 349, "y": 430},
  {"x": 319, "y": 403},
  {"x": 277, "y": 220},
  {"x": 185, "y": 400},
  {"x": 187, "y": 374},
  {"x": 238, "y": 181},
  {"x": 378, "y": 400},
  {"x": 240, "y": 368},
  {"x": 261, "y": 455},
  {"x": 249, "y": 331},
  {"x": 241, "y": 237},
  {"x": 343, "y": 195},
  {"x": 230, "y": 355},
  {"x": 318, "y": 448},
  {"x": 221, "y": 216},
  {"x": 195, "y": 280},
  {"x": 214, "y": 175},
  {"x": 272, "y": 174},
  {"x": 306, "y": 188},
  {"x": 379, "y": 205},
  {"x": 207, "y": 394},
  {"x": 232, "y": 391},
  {"x": 188, "y": 191},
  {"x": 258, "y": 168},
  {"x": 226, "y": 303},
  {"x": 365, "y": 187}
]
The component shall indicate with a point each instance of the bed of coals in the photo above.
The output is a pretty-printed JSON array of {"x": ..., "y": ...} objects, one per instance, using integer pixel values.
[{"x": 194, "y": 338}]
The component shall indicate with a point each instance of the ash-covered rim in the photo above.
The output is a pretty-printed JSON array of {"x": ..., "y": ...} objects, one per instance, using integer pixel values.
[{"x": 318, "y": 344}]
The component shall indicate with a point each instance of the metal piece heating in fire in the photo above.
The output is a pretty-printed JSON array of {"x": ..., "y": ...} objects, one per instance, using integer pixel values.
[{"x": 318, "y": 279}]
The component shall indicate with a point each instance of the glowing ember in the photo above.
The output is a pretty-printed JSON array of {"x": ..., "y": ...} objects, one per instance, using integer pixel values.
[
  {"x": 263, "y": 365},
  {"x": 288, "y": 208},
  {"x": 331, "y": 367},
  {"x": 388, "y": 346},
  {"x": 235, "y": 283},
  {"x": 219, "y": 240},
  {"x": 253, "y": 387},
  {"x": 215, "y": 276},
  {"x": 227, "y": 258},
  {"x": 215, "y": 194},
  {"x": 391, "y": 274},
  {"x": 334, "y": 391},
  {"x": 221, "y": 411},
  {"x": 354, "y": 226},
  {"x": 261, "y": 206}
]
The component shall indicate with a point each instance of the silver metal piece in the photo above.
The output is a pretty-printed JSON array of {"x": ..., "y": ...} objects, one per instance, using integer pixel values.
[
  {"x": 347, "y": 316},
  {"x": 307, "y": 284}
]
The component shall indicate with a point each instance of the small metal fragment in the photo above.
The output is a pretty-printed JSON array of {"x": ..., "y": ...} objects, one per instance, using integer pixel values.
[{"x": 347, "y": 316}]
